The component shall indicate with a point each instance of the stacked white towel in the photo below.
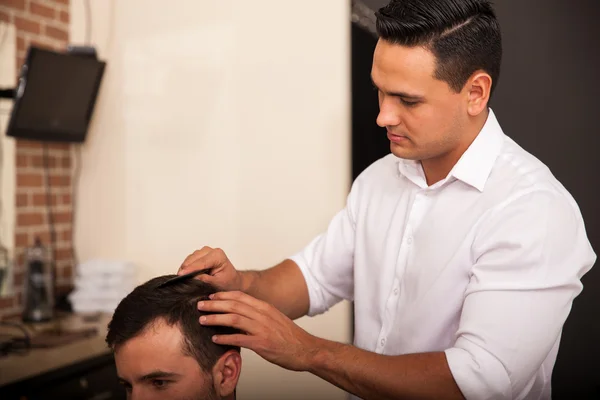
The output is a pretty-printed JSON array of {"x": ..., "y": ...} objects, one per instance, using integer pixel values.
[{"x": 100, "y": 285}]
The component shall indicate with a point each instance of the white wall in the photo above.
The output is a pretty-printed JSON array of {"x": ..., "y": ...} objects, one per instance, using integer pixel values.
[
  {"x": 8, "y": 79},
  {"x": 222, "y": 123}
]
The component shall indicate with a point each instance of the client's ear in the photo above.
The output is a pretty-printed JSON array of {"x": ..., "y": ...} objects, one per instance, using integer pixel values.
[{"x": 226, "y": 373}]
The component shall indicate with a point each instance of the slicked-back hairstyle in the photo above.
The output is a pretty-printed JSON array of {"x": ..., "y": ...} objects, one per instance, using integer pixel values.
[
  {"x": 463, "y": 35},
  {"x": 176, "y": 305}
]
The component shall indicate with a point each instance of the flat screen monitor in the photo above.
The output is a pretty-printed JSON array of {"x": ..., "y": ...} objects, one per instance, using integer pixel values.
[{"x": 55, "y": 97}]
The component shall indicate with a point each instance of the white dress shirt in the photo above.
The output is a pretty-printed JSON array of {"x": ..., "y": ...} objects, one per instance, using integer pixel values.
[{"x": 483, "y": 265}]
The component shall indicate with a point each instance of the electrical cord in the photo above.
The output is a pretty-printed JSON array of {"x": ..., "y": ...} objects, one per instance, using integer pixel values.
[{"x": 15, "y": 344}]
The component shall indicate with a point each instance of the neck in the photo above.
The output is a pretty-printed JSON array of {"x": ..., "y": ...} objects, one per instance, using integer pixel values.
[{"x": 438, "y": 168}]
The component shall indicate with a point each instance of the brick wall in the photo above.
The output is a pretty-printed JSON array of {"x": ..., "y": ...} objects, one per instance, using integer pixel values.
[{"x": 43, "y": 23}]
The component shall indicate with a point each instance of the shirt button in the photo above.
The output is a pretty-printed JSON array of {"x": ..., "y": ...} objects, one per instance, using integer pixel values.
[
  {"x": 409, "y": 240},
  {"x": 383, "y": 342},
  {"x": 396, "y": 291}
]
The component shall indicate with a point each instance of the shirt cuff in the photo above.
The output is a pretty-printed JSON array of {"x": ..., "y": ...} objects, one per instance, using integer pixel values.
[
  {"x": 316, "y": 294},
  {"x": 478, "y": 374}
]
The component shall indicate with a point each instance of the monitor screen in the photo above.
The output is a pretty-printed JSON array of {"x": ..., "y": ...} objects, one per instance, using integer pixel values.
[{"x": 55, "y": 98}]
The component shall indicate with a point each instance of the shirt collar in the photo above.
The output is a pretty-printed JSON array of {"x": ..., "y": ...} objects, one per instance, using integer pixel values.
[{"x": 476, "y": 163}]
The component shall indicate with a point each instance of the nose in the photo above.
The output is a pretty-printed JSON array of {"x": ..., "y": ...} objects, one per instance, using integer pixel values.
[{"x": 388, "y": 113}]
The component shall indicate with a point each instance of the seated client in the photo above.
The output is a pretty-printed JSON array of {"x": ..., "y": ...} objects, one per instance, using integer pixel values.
[{"x": 161, "y": 350}]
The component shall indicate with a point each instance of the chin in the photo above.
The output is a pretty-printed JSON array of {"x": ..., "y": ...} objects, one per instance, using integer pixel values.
[{"x": 403, "y": 152}]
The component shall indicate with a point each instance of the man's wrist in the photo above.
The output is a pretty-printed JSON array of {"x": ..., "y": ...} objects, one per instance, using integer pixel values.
[
  {"x": 247, "y": 281},
  {"x": 319, "y": 356}
]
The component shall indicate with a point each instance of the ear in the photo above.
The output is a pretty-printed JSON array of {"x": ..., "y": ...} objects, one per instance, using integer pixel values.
[
  {"x": 226, "y": 373},
  {"x": 478, "y": 92}
]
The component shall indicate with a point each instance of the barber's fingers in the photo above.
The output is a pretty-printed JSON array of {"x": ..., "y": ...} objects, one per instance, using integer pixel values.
[
  {"x": 231, "y": 314},
  {"x": 206, "y": 258},
  {"x": 243, "y": 298},
  {"x": 237, "y": 339},
  {"x": 230, "y": 306},
  {"x": 196, "y": 255}
]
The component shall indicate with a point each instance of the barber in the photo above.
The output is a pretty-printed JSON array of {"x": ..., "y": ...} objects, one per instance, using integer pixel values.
[{"x": 461, "y": 251}]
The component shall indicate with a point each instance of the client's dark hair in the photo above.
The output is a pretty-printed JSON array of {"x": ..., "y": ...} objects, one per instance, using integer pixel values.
[
  {"x": 464, "y": 35},
  {"x": 177, "y": 305}
]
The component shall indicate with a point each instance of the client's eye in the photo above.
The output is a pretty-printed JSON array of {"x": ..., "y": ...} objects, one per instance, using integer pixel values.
[{"x": 159, "y": 383}]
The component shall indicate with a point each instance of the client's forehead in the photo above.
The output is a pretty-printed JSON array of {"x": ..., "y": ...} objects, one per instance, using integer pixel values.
[
  {"x": 158, "y": 348},
  {"x": 158, "y": 338}
]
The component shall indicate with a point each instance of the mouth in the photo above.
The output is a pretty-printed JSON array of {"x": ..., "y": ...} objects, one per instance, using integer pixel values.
[{"x": 396, "y": 138}]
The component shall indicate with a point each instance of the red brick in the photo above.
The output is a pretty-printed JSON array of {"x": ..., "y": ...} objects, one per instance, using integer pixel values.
[
  {"x": 39, "y": 199},
  {"x": 21, "y": 258},
  {"x": 22, "y": 240},
  {"x": 21, "y": 200},
  {"x": 14, "y": 4},
  {"x": 65, "y": 162},
  {"x": 44, "y": 237},
  {"x": 66, "y": 199},
  {"x": 57, "y": 33},
  {"x": 28, "y": 144},
  {"x": 22, "y": 160},
  {"x": 38, "y": 161},
  {"x": 31, "y": 218},
  {"x": 62, "y": 217},
  {"x": 63, "y": 254},
  {"x": 66, "y": 272},
  {"x": 64, "y": 17},
  {"x": 41, "y": 10},
  {"x": 5, "y": 17},
  {"x": 27, "y": 25},
  {"x": 19, "y": 278},
  {"x": 66, "y": 235},
  {"x": 7, "y": 302},
  {"x": 29, "y": 180},
  {"x": 21, "y": 45},
  {"x": 60, "y": 180},
  {"x": 59, "y": 146}
]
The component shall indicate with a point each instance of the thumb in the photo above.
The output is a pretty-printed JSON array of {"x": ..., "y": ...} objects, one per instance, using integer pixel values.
[{"x": 207, "y": 278}]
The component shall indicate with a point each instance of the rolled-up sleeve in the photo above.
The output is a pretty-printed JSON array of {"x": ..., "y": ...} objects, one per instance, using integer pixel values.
[
  {"x": 529, "y": 256},
  {"x": 327, "y": 261}
]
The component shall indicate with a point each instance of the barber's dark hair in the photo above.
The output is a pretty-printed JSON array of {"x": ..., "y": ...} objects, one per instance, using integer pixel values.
[
  {"x": 463, "y": 35},
  {"x": 177, "y": 305}
]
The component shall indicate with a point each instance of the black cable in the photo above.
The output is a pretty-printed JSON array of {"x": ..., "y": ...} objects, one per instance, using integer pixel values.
[
  {"x": 48, "y": 187},
  {"x": 74, "y": 188},
  {"x": 15, "y": 344},
  {"x": 88, "y": 22}
]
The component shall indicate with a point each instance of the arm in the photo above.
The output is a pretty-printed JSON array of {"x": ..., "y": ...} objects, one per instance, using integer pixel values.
[
  {"x": 282, "y": 285},
  {"x": 530, "y": 254},
  {"x": 369, "y": 375},
  {"x": 374, "y": 376}
]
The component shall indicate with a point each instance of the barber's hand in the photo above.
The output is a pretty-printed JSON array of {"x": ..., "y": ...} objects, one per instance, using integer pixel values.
[
  {"x": 266, "y": 331},
  {"x": 223, "y": 274}
]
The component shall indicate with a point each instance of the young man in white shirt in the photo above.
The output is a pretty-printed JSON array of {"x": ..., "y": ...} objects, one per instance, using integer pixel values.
[{"x": 461, "y": 251}]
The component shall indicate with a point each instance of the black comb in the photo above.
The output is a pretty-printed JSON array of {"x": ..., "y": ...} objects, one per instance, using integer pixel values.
[{"x": 184, "y": 277}]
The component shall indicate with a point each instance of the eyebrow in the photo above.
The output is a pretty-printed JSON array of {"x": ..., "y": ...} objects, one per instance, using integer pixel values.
[
  {"x": 404, "y": 95},
  {"x": 153, "y": 375}
]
